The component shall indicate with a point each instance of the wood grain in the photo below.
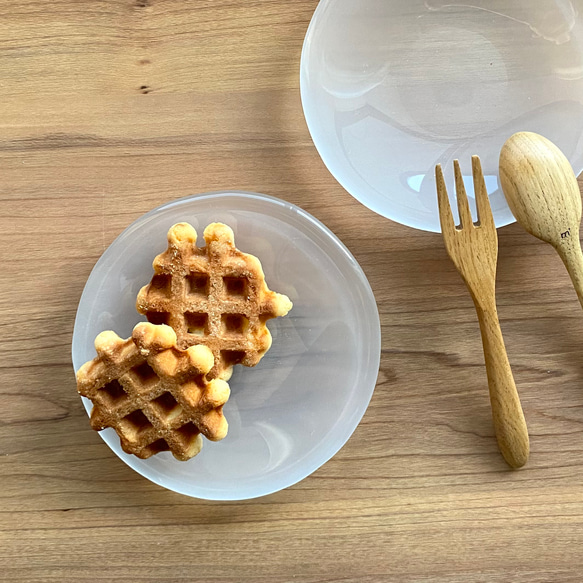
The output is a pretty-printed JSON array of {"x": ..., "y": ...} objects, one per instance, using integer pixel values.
[{"x": 112, "y": 107}]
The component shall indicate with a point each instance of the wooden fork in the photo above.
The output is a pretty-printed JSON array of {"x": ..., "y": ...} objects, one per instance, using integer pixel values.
[{"x": 473, "y": 248}]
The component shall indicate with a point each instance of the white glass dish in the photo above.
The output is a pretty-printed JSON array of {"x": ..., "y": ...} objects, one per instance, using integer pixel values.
[
  {"x": 295, "y": 409},
  {"x": 390, "y": 88}
]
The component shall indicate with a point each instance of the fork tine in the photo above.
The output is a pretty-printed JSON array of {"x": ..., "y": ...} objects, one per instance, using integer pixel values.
[
  {"x": 482, "y": 201},
  {"x": 445, "y": 216},
  {"x": 462, "y": 198}
]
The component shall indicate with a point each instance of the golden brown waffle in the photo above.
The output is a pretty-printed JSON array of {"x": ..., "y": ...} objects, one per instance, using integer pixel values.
[
  {"x": 214, "y": 295},
  {"x": 156, "y": 397}
]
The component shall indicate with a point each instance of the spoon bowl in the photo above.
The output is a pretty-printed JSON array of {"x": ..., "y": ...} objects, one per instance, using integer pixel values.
[{"x": 542, "y": 192}]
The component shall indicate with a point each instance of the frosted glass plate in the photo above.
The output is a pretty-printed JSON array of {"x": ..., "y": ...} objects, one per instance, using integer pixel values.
[
  {"x": 390, "y": 88},
  {"x": 300, "y": 404}
]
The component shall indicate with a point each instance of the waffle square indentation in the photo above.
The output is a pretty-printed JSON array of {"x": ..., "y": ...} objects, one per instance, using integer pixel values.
[
  {"x": 235, "y": 323},
  {"x": 236, "y": 287},
  {"x": 113, "y": 394},
  {"x": 166, "y": 406},
  {"x": 196, "y": 323},
  {"x": 197, "y": 284}
]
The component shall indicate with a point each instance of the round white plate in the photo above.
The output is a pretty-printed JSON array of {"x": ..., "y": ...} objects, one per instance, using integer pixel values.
[
  {"x": 295, "y": 409},
  {"x": 390, "y": 88}
]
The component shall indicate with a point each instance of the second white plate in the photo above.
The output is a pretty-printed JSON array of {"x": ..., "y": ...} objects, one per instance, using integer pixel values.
[{"x": 390, "y": 88}]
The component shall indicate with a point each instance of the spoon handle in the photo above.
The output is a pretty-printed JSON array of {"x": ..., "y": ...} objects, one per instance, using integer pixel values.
[
  {"x": 570, "y": 252},
  {"x": 509, "y": 424}
]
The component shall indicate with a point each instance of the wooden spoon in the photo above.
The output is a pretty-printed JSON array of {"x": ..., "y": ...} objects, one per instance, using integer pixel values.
[{"x": 542, "y": 193}]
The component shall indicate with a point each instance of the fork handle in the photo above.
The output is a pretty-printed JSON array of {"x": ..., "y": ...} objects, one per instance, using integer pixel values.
[{"x": 509, "y": 423}]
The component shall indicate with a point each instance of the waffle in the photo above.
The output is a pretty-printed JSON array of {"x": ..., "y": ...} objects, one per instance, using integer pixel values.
[
  {"x": 214, "y": 295},
  {"x": 156, "y": 397}
]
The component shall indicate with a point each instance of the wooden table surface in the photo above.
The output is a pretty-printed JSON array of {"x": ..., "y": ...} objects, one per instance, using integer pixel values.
[{"x": 112, "y": 107}]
